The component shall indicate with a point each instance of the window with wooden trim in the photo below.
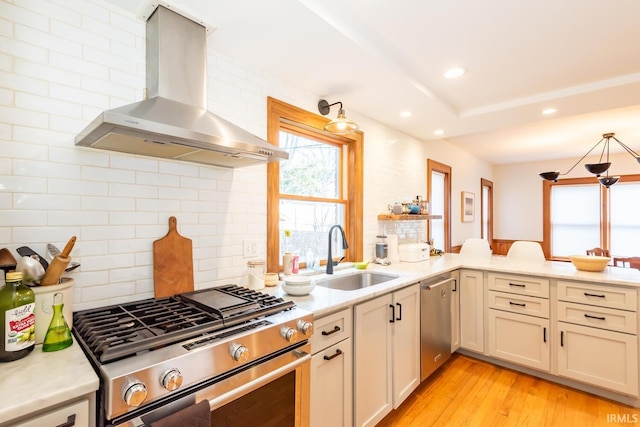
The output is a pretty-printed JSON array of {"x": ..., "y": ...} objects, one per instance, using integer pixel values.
[
  {"x": 319, "y": 186},
  {"x": 581, "y": 214},
  {"x": 439, "y": 190}
]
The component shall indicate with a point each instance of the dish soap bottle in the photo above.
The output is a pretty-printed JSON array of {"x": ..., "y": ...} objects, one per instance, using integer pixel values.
[
  {"x": 58, "y": 335},
  {"x": 17, "y": 319}
]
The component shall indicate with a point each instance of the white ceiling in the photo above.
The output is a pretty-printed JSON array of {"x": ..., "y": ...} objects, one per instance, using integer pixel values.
[{"x": 381, "y": 57}]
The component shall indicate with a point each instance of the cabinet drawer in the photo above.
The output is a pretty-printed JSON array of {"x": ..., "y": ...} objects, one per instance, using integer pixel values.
[
  {"x": 522, "y": 304},
  {"x": 598, "y": 317},
  {"x": 523, "y": 285},
  {"x": 77, "y": 412},
  {"x": 331, "y": 329},
  {"x": 599, "y": 295}
]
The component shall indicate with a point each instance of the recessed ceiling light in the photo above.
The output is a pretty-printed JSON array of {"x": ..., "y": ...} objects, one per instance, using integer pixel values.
[
  {"x": 548, "y": 111},
  {"x": 438, "y": 132},
  {"x": 454, "y": 72},
  {"x": 405, "y": 114}
]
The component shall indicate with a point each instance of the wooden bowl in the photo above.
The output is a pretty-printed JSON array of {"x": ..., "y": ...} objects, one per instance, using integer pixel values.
[{"x": 590, "y": 262}]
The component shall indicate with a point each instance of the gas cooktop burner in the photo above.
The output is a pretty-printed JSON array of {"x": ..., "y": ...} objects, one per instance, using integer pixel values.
[{"x": 118, "y": 331}]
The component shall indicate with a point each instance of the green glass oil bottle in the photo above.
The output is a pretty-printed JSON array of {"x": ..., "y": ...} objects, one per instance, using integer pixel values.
[
  {"x": 17, "y": 318},
  {"x": 58, "y": 335}
]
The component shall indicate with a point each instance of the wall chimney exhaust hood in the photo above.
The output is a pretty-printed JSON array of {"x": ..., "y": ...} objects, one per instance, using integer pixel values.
[{"x": 173, "y": 123}]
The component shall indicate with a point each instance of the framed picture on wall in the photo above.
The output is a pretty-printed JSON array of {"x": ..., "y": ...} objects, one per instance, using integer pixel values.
[{"x": 468, "y": 206}]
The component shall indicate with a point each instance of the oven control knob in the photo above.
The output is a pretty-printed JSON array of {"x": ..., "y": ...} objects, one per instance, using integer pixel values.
[
  {"x": 239, "y": 353},
  {"x": 135, "y": 394},
  {"x": 289, "y": 334},
  {"x": 172, "y": 379},
  {"x": 305, "y": 327}
]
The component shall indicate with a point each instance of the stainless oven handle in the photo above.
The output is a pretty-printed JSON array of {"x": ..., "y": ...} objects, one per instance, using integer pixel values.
[
  {"x": 241, "y": 390},
  {"x": 430, "y": 286}
]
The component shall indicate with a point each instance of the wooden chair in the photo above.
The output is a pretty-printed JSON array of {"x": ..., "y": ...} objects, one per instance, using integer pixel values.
[
  {"x": 629, "y": 262},
  {"x": 598, "y": 252}
]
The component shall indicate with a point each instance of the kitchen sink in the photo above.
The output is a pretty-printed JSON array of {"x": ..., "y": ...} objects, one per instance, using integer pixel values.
[{"x": 352, "y": 282}]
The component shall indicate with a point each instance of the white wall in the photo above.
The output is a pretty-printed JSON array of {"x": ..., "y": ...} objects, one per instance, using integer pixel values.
[
  {"x": 61, "y": 64},
  {"x": 518, "y": 192}
]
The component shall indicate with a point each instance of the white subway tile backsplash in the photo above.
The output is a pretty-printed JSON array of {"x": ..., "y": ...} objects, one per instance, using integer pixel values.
[
  {"x": 77, "y": 156},
  {"x": 178, "y": 168},
  {"x": 23, "y": 16},
  {"x": 45, "y": 169},
  {"x": 177, "y": 193},
  {"x": 21, "y": 218},
  {"x": 38, "y": 236},
  {"x": 108, "y": 203},
  {"x": 75, "y": 33},
  {"x": 107, "y": 262},
  {"x": 23, "y": 184},
  {"x": 18, "y": 116},
  {"x": 44, "y": 72},
  {"x": 116, "y": 204},
  {"x": 137, "y": 163},
  {"x": 47, "y": 105},
  {"x": 108, "y": 175},
  {"x": 21, "y": 150},
  {"x": 157, "y": 179},
  {"x": 133, "y": 190},
  {"x": 76, "y": 187},
  {"x": 44, "y": 39},
  {"x": 77, "y": 218},
  {"x": 156, "y": 205},
  {"x": 128, "y": 275},
  {"x": 123, "y": 218},
  {"x": 81, "y": 96},
  {"x": 45, "y": 201}
]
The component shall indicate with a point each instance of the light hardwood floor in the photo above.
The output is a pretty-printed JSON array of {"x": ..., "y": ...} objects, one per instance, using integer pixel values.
[{"x": 470, "y": 392}]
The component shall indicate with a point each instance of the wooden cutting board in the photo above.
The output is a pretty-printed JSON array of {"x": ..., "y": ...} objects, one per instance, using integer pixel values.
[{"x": 172, "y": 263}]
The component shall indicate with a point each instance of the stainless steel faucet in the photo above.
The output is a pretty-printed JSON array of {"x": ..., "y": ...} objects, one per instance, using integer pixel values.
[{"x": 345, "y": 245}]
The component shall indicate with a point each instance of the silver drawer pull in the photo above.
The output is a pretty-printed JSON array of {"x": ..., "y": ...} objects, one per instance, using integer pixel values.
[
  {"x": 594, "y": 317},
  {"x": 593, "y": 295},
  {"x": 517, "y": 303}
]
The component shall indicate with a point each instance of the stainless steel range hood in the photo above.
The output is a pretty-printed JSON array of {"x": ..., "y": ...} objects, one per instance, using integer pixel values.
[{"x": 173, "y": 123}]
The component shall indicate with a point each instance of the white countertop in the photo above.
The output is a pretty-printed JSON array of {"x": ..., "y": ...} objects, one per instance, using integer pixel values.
[
  {"x": 41, "y": 380},
  {"x": 323, "y": 301}
]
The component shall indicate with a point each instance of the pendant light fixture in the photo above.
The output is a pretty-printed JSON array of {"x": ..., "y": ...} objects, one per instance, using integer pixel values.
[
  {"x": 341, "y": 125},
  {"x": 596, "y": 168}
]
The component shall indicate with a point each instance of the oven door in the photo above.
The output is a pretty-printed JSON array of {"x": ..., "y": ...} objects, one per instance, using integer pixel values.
[{"x": 274, "y": 393}]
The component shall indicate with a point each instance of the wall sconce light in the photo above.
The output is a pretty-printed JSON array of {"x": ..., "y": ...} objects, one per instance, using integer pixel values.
[
  {"x": 341, "y": 125},
  {"x": 596, "y": 168}
]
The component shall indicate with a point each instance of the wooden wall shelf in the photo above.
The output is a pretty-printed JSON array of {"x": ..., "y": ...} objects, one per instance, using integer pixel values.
[{"x": 407, "y": 217}]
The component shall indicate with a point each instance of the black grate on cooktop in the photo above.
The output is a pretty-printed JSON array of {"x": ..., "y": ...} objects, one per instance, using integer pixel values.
[{"x": 119, "y": 331}]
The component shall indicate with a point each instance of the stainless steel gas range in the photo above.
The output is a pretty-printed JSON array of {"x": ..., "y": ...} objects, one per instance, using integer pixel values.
[{"x": 237, "y": 348}]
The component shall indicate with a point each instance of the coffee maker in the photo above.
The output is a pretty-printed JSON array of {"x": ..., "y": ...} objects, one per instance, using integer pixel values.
[{"x": 382, "y": 250}]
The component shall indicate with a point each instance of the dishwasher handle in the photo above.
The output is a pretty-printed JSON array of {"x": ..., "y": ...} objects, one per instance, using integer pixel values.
[{"x": 429, "y": 286}]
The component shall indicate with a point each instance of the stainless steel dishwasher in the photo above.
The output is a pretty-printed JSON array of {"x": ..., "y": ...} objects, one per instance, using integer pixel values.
[{"x": 435, "y": 322}]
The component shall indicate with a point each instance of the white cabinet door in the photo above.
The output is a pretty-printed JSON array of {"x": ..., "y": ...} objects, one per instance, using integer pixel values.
[
  {"x": 406, "y": 343},
  {"x": 471, "y": 310},
  {"x": 455, "y": 311},
  {"x": 372, "y": 361},
  {"x": 602, "y": 358},
  {"x": 76, "y": 414},
  {"x": 331, "y": 386},
  {"x": 519, "y": 338}
]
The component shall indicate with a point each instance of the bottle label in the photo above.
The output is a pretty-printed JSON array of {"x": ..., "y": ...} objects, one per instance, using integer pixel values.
[{"x": 20, "y": 327}]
